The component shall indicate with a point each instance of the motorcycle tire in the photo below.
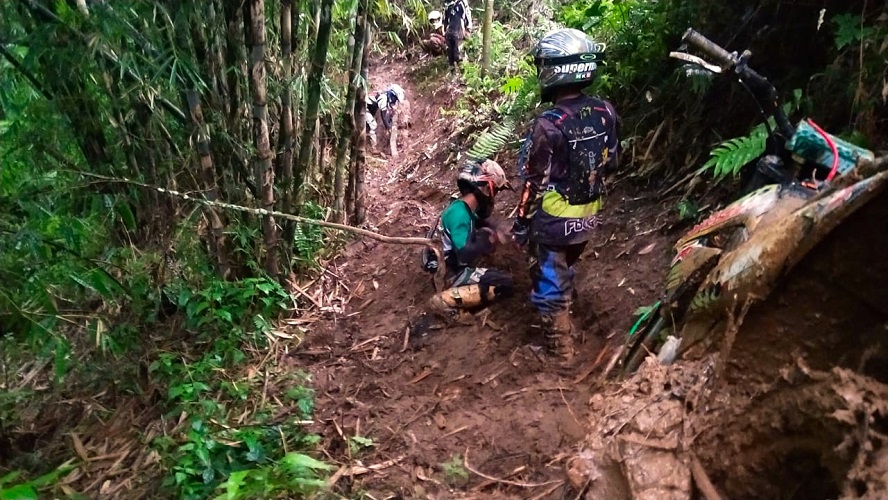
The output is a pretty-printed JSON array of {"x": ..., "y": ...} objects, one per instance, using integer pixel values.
[{"x": 648, "y": 341}]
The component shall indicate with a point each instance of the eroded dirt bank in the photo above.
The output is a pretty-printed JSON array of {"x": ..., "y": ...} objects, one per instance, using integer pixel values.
[{"x": 800, "y": 408}]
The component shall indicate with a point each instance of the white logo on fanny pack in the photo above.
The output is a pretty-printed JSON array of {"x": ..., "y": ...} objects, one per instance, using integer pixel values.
[{"x": 580, "y": 225}]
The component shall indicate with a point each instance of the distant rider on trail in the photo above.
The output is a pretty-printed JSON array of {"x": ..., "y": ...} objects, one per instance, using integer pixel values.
[
  {"x": 384, "y": 103},
  {"x": 569, "y": 150},
  {"x": 457, "y": 23},
  {"x": 467, "y": 234},
  {"x": 435, "y": 43}
]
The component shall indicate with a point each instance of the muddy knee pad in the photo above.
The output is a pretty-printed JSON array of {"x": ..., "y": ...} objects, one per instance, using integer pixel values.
[{"x": 465, "y": 296}]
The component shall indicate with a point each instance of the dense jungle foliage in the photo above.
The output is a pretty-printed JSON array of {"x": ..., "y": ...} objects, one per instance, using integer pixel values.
[{"x": 122, "y": 302}]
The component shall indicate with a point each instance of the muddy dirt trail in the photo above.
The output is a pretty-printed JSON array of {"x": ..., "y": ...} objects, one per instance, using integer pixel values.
[{"x": 484, "y": 391}]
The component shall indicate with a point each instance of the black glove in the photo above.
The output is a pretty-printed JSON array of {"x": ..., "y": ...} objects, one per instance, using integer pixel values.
[{"x": 521, "y": 231}]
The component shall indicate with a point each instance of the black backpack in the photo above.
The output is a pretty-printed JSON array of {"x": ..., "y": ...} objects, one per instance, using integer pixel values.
[
  {"x": 585, "y": 136},
  {"x": 454, "y": 16}
]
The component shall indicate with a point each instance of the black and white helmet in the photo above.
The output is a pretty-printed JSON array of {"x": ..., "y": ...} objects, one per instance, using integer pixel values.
[{"x": 566, "y": 57}]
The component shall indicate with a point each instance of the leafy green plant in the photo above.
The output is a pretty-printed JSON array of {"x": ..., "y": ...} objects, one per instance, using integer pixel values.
[
  {"x": 27, "y": 490},
  {"x": 455, "y": 472},
  {"x": 293, "y": 473},
  {"x": 687, "y": 209},
  {"x": 850, "y": 29},
  {"x": 493, "y": 140},
  {"x": 728, "y": 157},
  {"x": 358, "y": 443},
  {"x": 245, "y": 461},
  {"x": 509, "y": 88}
]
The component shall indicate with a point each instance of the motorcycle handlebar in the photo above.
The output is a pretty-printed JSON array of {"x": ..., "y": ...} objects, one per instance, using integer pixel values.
[
  {"x": 708, "y": 47},
  {"x": 761, "y": 87}
]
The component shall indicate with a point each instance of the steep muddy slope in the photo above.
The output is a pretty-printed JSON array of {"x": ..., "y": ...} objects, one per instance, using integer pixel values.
[{"x": 800, "y": 411}]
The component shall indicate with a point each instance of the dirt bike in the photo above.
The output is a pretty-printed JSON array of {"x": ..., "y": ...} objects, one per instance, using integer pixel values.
[{"x": 803, "y": 187}]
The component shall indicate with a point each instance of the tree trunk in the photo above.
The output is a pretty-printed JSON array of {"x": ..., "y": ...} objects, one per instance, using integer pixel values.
[
  {"x": 313, "y": 99},
  {"x": 233, "y": 59},
  {"x": 235, "y": 70},
  {"x": 359, "y": 140},
  {"x": 485, "y": 32},
  {"x": 298, "y": 41},
  {"x": 328, "y": 142},
  {"x": 218, "y": 54},
  {"x": 347, "y": 121},
  {"x": 285, "y": 156},
  {"x": 198, "y": 21},
  {"x": 316, "y": 25},
  {"x": 264, "y": 168},
  {"x": 208, "y": 184}
]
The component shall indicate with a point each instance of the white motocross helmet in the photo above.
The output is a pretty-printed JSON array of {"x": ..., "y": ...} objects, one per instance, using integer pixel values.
[{"x": 435, "y": 19}]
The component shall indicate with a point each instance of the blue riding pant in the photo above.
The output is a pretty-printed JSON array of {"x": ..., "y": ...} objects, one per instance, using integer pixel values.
[{"x": 553, "y": 276}]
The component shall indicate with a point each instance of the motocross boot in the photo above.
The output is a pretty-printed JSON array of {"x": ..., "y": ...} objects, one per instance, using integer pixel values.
[{"x": 559, "y": 334}]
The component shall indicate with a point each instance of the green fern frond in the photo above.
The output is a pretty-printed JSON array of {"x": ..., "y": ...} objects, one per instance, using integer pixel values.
[
  {"x": 730, "y": 156},
  {"x": 490, "y": 142}
]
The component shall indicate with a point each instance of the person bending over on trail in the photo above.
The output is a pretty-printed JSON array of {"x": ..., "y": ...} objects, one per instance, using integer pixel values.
[
  {"x": 466, "y": 236},
  {"x": 388, "y": 104},
  {"x": 387, "y": 101},
  {"x": 435, "y": 44},
  {"x": 567, "y": 153},
  {"x": 457, "y": 23}
]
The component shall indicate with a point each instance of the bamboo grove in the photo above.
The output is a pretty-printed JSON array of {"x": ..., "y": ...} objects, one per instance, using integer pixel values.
[{"x": 250, "y": 102}]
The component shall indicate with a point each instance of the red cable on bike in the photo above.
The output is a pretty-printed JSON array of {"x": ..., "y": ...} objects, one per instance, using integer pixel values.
[{"x": 832, "y": 146}]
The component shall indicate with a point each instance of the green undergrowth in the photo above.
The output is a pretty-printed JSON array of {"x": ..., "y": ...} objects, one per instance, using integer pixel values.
[
  {"x": 236, "y": 416},
  {"x": 89, "y": 313}
]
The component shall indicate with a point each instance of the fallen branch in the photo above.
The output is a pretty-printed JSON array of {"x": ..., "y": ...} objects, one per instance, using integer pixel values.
[
  {"x": 702, "y": 479},
  {"x": 455, "y": 431},
  {"x": 437, "y": 279},
  {"x": 421, "y": 376},
  {"x": 406, "y": 339},
  {"x": 659, "y": 444},
  {"x": 357, "y": 470},
  {"x": 551, "y": 490},
  {"x": 402, "y": 240},
  {"x": 503, "y": 481},
  {"x": 594, "y": 365}
]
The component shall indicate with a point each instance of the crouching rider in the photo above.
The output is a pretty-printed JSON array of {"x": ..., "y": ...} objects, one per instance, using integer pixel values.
[{"x": 467, "y": 234}]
